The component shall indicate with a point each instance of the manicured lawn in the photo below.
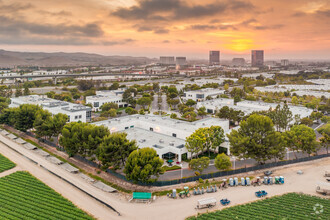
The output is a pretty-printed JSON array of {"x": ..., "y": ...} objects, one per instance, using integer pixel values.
[
  {"x": 288, "y": 206},
  {"x": 5, "y": 164},
  {"x": 22, "y": 196}
]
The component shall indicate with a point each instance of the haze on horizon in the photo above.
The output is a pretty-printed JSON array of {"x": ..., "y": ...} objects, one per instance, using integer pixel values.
[{"x": 298, "y": 29}]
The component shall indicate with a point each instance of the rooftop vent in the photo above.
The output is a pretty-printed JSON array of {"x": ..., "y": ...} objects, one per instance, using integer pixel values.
[
  {"x": 172, "y": 143},
  {"x": 161, "y": 141}
]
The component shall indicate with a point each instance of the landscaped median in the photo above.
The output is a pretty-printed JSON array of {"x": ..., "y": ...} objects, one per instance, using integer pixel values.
[{"x": 175, "y": 167}]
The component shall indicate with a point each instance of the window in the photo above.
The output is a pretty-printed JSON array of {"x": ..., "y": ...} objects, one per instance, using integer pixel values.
[
  {"x": 79, "y": 116},
  {"x": 96, "y": 104},
  {"x": 68, "y": 118},
  {"x": 200, "y": 96},
  {"x": 76, "y": 117},
  {"x": 126, "y": 128},
  {"x": 173, "y": 134},
  {"x": 151, "y": 129},
  {"x": 88, "y": 114},
  {"x": 132, "y": 126}
]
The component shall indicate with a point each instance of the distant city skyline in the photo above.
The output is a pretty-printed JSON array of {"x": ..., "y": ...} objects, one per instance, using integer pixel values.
[{"x": 295, "y": 29}]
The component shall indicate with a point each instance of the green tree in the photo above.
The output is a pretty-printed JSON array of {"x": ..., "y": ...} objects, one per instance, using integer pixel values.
[
  {"x": 235, "y": 116},
  {"x": 85, "y": 85},
  {"x": 325, "y": 141},
  {"x": 18, "y": 92},
  {"x": 226, "y": 87},
  {"x": 173, "y": 102},
  {"x": 107, "y": 106},
  {"x": 4, "y": 103},
  {"x": 297, "y": 119},
  {"x": 82, "y": 138},
  {"x": 195, "y": 142},
  {"x": 173, "y": 95},
  {"x": 237, "y": 98},
  {"x": 222, "y": 162},
  {"x": 25, "y": 116},
  {"x": 143, "y": 165},
  {"x": 173, "y": 115},
  {"x": 26, "y": 91},
  {"x": 237, "y": 92},
  {"x": 190, "y": 116},
  {"x": 294, "y": 100},
  {"x": 130, "y": 111},
  {"x": 172, "y": 89},
  {"x": 224, "y": 112},
  {"x": 199, "y": 164},
  {"x": 325, "y": 119},
  {"x": 128, "y": 96},
  {"x": 114, "y": 86},
  {"x": 214, "y": 137},
  {"x": 281, "y": 116},
  {"x": 43, "y": 124},
  {"x": 9, "y": 116},
  {"x": 156, "y": 87},
  {"x": 306, "y": 121},
  {"x": 58, "y": 122},
  {"x": 325, "y": 129},
  {"x": 144, "y": 102},
  {"x": 316, "y": 115},
  {"x": 256, "y": 138},
  {"x": 205, "y": 139},
  {"x": 110, "y": 113},
  {"x": 288, "y": 141},
  {"x": 304, "y": 138},
  {"x": 202, "y": 111},
  {"x": 285, "y": 117},
  {"x": 190, "y": 102},
  {"x": 114, "y": 150}
]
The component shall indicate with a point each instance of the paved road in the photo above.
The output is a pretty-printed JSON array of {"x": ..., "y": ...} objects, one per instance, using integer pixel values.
[
  {"x": 164, "y": 105},
  {"x": 44, "y": 90},
  {"x": 176, "y": 174}
]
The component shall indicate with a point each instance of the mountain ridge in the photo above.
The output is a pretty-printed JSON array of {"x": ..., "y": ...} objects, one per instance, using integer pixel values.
[{"x": 62, "y": 59}]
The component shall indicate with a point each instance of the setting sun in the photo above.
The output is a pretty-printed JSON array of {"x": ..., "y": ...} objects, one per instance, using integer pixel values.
[{"x": 240, "y": 45}]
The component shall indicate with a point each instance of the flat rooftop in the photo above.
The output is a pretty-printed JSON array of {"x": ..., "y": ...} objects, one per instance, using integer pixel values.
[
  {"x": 49, "y": 103},
  {"x": 250, "y": 106},
  {"x": 207, "y": 90},
  {"x": 165, "y": 121},
  {"x": 145, "y": 138}
]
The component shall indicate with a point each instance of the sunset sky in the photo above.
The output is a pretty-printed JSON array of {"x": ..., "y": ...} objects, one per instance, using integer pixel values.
[{"x": 283, "y": 28}]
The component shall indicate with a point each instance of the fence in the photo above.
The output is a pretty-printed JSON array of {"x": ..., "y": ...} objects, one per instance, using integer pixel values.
[
  {"x": 210, "y": 175},
  {"x": 193, "y": 178}
]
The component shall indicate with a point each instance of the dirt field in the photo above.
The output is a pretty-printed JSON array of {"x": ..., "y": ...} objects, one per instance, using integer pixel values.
[{"x": 163, "y": 207}]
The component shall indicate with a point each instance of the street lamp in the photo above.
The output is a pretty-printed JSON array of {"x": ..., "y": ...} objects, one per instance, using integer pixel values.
[
  {"x": 181, "y": 169},
  {"x": 181, "y": 162},
  {"x": 234, "y": 162}
]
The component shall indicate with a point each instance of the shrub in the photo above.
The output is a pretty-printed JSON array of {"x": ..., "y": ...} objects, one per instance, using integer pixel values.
[{"x": 175, "y": 167}]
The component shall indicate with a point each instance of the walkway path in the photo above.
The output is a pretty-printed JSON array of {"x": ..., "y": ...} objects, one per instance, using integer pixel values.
[
  {"x": 13, "y": 170},
  {"x": 79, "y": 198}
]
